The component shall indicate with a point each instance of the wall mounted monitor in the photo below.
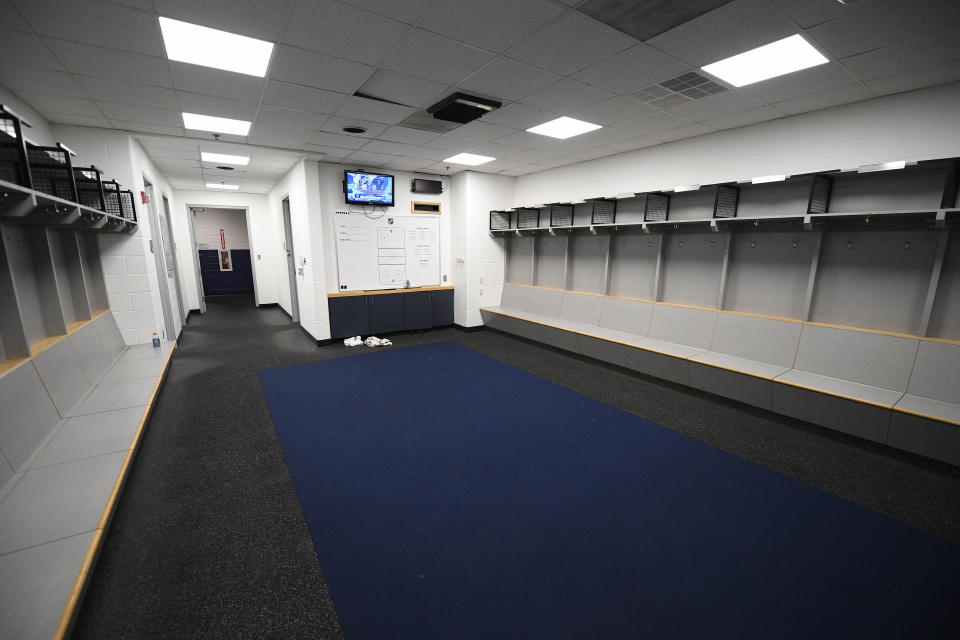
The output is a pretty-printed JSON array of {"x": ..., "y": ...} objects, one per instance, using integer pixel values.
[{"x": 368, "y": 188}]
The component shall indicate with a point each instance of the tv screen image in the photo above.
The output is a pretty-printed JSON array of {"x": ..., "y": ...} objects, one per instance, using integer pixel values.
[{"x": 368, "y": 188}]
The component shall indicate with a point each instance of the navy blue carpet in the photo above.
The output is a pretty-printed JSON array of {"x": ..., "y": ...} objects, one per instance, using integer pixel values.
[{"x": 451, "y": 496}]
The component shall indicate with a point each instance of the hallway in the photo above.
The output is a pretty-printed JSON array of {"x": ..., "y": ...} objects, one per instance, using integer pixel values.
[{"x": 209, "y": 540}]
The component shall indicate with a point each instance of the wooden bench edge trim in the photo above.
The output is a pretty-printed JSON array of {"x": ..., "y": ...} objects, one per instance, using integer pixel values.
[
  {"x": 928, "y": 416},
  {"x": 747, "y": 314},
  {"x": 380, "y": 292},
  {"x": 70, "y": 608},
  {"x": 838, "y": 395}
]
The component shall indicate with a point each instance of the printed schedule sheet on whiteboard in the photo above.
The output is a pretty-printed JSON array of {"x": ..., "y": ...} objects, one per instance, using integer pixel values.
[{"x": 387, "y": 252}]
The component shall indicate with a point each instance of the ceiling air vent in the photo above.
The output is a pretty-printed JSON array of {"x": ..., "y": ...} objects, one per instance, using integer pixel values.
[
  {"x": 676, "y": 91},
  {"x": 462, "y": 108}
]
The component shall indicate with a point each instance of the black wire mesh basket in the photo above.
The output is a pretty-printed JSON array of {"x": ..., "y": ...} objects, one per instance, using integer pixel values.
[
  {"x": 604, "y": 212},
  {"x": 499, "y": 220},
  {"x": 89, "y": 187},
  {"x": 111, "y": 197},
  {"x": 656, "y": 208},
  {"x": 12, "y": 158},
  {"x": 561, "y": 215},
  {"x": 51, "y": 171},
  {"x": 127, "y": 208},
  {"x": 527, "y": 218}
]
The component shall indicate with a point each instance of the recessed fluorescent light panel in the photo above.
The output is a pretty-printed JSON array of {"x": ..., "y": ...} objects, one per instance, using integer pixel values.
[
  {"x": 769, "y": 61},
  {"x": 883, "y": 166},
  {"x": 686, "y": 187},
  {"x": 223, "y": 158},
  {"x": 762, "y": 179},
  {"x": 470, "y": 159},
  {"x": 220, "y": 185},
  {"x": 207, "y": 47},
  {"x": 215, "y": 124},
  {"x": 564, "y": 128}
]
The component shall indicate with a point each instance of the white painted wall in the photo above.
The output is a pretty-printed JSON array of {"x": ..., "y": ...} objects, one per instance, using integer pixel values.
[
  {"x": 919, "y": 125},
  {"x": 211, "y": 221},
  {"x": 261, "y": 227},
  {"x": 478, "y": 257},
  {"x": 41, "y": 132}
]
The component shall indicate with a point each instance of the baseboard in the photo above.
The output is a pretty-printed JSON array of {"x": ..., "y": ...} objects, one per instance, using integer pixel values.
[
  {"x": 460, "y": 327},
  {"x": 267, "y": 305}
]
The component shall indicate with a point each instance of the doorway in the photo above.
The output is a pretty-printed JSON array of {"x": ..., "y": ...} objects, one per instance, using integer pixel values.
[
  {"x": 223, "y": 251},
  {"x": 169, "y": 241},
  {"x": 291, "y": 262},
  {"x": 165, "y": 263}
]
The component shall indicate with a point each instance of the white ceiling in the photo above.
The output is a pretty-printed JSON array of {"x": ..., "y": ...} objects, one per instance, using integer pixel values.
[{"x": 101, "y": 63}]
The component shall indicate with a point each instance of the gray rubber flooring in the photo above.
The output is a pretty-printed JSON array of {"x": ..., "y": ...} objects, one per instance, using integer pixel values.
[{"x": 208, "y": 540}]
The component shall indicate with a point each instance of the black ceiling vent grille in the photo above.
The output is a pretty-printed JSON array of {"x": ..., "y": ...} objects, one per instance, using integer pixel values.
[
  {"x": 604, "y": 212},
  {"x": 676, "y": 91},
  {"x": 527, "y": 218},
  {"x": 820, "y": 194},
  {"x": 725, "y": 205},
  {"x": 644, "y": 19},
  {"x": 499, "y": 220},
  {"x": 561, "y": 215},
  {"x": 462, "y": 108},
  {"x": 657, "y": 207}
]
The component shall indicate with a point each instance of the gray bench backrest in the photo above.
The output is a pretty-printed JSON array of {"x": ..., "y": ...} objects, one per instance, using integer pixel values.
[
  {"x": 936, "y": 374},
  {"x": 515, "y": 297},
  {"x": 28, "y": 416},
  {"x": 582, "y": 307},
  {"x": 762, "y": 339},
  {"x": 629, "y": 316},
  {"x": 858, "y": 356},
  {"x": 547, "y": 302},
  {"x": 690, "y": 327}
]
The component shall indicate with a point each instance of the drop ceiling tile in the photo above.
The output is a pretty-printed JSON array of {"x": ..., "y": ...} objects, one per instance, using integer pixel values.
[
  {"x": 49, "y": 103},
  {"x": 342, "y": 30},
  {"x": 145, "y": 127},
  {"x": 637, "y": 67},
  {"x": 332, "y": 154},
  {"x": 215, "y": 82},
  {"x": 743, "y": 118},
  {"x": 825, "y": 99},
  {"x": 793, "y": 85},
  {"x": 373, "y": 110},
  {"x": 402, "y": 88},
  {"x": 617, "y": 109},
  {"x": 715, "y": 106},
  {"x": 126, "y": 93},
  {"x": 883, "y": 25},
  {"x": 566, "y": 96},
  {"x": 907, "y": 56},
  {"x": 407, "y": 135},
  {"x": 290, "y": 118},
  {"x": 26, "y": 49},
  {"x": 571, "y": 43},
  {"x": 494, "y": 150},
  {"x": 917, "y": 79},
  {"x": 312, "y": 69},
  {"x": 481, "y": 130},
  {"x": 138, "y": 113},
  {"x": 281, "y": 132},
  {"x": 681, "y": 133},
  {"x": 519, "y": 116},
  {"x": 493, "y": 25},
  {"x": 22, "y": 79},
  {"x": 506, "y": 79},
  {"x": 82, "y": 121},
  {"x": 654, "y": 123},
  {"x": 523, "y": 170},
  {"x": 434, "y": 57},
  {"x": 389, "y": 148},
  {"x": 532, "y": 155},
  {"x": 453, "y": 142},
  {"x": 335, "y": 124},
  {"x": 407, "y": 11},
  {"x": 733, "y": 28},
  {"x": 599, "y": 137},
  {"x": 93, "y": 22},
  {"x": 213, "y": 106},
  {"x": 407, "y": 164},
  {"x": 521, "y": 140},
  {"x": 106, "y": 63},
  {"x": 262, "y": 19},
  {"x": 338, "y": 140},
  {"x": 296, "y": 96},
  {"x": 168, "y": 155},
  {"x": 430, "y": 153},
  {"x": 813, "y": 12},
  {"x": 370, "y": 159}
]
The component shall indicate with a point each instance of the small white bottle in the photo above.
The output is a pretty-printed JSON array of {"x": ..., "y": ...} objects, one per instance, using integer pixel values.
[{"x": 156, "y": 340}]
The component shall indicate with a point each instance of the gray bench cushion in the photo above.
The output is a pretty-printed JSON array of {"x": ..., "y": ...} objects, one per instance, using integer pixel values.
[
  {"x": 582, "y": 308},
  {"x": 757, "y": 339},
  {"x": 691, "y": 327},
  {"x": 742, "y": 365},
  {"x": 515, "y": 297},
  {"x": 928, "y": 407},
  {"x": 547, "y": 302},
  {"x": 871, "y": 359},
  {"x": 630, "y": 316},
  {"x": 936, "y": 373},
  {"x": 842, "y": 388}
]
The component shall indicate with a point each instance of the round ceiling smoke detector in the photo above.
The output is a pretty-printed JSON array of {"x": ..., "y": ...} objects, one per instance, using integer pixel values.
[{"x": 354, "y": 129}]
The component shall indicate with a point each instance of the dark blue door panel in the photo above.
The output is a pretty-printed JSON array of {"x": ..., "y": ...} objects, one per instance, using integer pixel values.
[
  {"x": 349, "y": 316},
  {"x": 417, "y": 312}
]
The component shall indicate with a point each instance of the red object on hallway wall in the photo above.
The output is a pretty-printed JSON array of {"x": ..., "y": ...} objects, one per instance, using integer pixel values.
[
  {"x": 223, "y": 240},
  {"x": 143, "y": 197}
]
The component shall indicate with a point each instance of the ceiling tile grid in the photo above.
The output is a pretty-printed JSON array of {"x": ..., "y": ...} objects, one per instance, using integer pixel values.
[{"x": 100, "y": 63}]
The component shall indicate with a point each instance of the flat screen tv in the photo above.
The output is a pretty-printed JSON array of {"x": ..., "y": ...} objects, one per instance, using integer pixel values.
[{"x": 368, "y": 188}]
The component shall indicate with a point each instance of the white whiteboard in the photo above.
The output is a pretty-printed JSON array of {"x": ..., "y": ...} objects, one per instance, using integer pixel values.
[{"x": 388, "y": 251}]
